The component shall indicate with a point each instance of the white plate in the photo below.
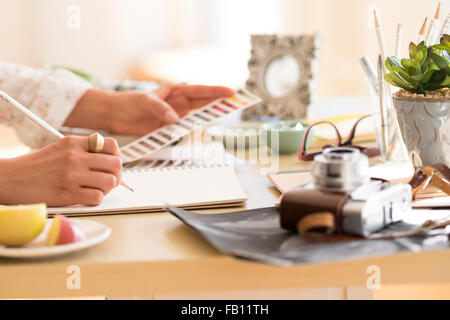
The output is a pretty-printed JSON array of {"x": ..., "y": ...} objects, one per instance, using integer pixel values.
[{"x": 95, "y": 233}]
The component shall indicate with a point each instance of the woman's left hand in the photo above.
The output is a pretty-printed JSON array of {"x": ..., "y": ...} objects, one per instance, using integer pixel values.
[
  {"x": 184, "y": 98},
  {"x": 138, "y": 113}
]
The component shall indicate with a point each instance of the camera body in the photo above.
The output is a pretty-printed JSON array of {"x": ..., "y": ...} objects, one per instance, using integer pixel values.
[{"x": 342, "y": 186}]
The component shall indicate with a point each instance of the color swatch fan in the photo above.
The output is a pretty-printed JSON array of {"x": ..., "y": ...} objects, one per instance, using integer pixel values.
[{"x": 167, "y": 135}]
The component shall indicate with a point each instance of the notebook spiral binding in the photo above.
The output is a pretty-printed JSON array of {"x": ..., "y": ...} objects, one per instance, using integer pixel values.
[{"x": 175, "y": 168}]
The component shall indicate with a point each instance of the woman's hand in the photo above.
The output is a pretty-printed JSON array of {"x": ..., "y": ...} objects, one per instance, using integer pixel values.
[
  {"x": 61, "y": 174},
  {"x": 184, "y": 98},
  {"x": 138, "y": 113}
]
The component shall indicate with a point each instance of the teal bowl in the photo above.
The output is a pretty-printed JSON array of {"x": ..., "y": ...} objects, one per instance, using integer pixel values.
[{"x": 290, "y": 133}]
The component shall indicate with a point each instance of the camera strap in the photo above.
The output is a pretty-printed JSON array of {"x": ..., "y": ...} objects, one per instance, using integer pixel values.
[
  {"x": 298, "y": 213},
  {"x": 437, "y": 176},
  {"x": 321, "y": 227}
]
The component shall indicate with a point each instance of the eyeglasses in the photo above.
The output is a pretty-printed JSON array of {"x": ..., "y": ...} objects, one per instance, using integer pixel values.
[{"x": 368, "y": 151}]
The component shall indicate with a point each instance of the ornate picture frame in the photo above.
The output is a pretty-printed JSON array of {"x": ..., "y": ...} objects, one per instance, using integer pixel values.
[{"x": 266, "y": 49}]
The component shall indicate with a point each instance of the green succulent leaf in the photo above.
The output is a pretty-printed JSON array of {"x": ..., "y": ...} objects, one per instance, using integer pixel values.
[
  {"x": 418, "y": 53},
  {"x": 392, "y": 62},
  {"x": 409, "y": 66},
  {"x": 441, "y": 62},
  {"x": 397, "y": 81},
  {"x": 446, "y": 55},
  {"x": 427, "y": 60},
  {"x": 445, "y": 41},
  {"x": 428, "y": 75},
  {"x": 436, "y": 79},
  {"x": 428, "y": 68}
]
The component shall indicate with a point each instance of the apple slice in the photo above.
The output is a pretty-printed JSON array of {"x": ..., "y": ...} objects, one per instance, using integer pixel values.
[
  {"x": 20, "y": 225},
  {"x": 63, "y": 231}
]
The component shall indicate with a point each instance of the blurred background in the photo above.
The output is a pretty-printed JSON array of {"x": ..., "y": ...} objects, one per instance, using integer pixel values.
[{"x": 200, "y": 41}]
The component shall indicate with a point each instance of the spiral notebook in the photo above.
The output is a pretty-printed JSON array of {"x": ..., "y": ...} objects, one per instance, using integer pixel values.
[{"x": 187, "y": 187}]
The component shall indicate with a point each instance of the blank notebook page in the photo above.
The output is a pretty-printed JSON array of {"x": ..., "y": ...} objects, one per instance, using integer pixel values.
[{"x": 182, "y": 186}]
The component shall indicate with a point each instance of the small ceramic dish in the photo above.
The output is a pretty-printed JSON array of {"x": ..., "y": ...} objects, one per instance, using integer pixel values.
[{"x": 290, "y": 133}]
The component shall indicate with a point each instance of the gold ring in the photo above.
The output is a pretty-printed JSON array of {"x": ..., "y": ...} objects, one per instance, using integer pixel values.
[{"x": 96, "y": 143}]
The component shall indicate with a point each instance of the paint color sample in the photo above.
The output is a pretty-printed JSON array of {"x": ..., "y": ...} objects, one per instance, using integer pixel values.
[{"x": 167, "y": 135}]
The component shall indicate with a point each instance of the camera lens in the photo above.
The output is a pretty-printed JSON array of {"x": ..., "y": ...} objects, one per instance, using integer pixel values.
[
  {"x": 341, "y": 153},
  {"x": 340, "y": 169}
]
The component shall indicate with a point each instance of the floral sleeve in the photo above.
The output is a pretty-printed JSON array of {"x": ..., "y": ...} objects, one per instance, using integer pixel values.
[{"x": 49, "y": 94}]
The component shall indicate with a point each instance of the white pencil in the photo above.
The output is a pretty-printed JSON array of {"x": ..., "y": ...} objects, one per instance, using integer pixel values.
[
  {"x": 445, "y": 26},
  {"x": 422, "y": 32},
  {"x": 380, "y": 37},
  {"x": 383, "y": 111},
  {"x": 30, "y": 115},
  {"x": 398, "y": 39},
  {"x": 370, "y": 72},
  {"x": 41, "y": 123},
  {"x": 430, "y": 39}
]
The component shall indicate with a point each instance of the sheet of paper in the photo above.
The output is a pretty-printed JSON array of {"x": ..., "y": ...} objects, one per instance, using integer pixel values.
[{"x": 153, "y": 188}]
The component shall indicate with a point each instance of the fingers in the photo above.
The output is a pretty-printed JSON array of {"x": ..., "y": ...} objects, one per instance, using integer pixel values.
[
  {"x": 104, "y": 182},
  {"x": 76, "y": 155},
  {"x": 76, "y": 143},
  {"x": 162, "y": 109},
  {"x": 205, "y": 92},
  {"x": 107, "y": 164},
  {"x": 88, "y": 196},
  {"x": 111, "y": 147}
]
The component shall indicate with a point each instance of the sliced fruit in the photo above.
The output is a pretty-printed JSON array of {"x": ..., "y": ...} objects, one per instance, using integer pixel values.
[
  {"x": 20, "y": 225},
  {"x": 63, "y": 231}
]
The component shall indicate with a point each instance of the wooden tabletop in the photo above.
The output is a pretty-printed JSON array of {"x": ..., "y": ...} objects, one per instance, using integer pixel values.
[{"x": 156, "y": 256}]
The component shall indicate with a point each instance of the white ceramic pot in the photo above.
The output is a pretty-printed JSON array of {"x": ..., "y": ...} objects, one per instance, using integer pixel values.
[{"x": 425, "y": 127}]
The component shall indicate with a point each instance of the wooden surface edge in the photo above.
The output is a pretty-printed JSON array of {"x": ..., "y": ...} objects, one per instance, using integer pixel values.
[{"x": 215, "y": 274}]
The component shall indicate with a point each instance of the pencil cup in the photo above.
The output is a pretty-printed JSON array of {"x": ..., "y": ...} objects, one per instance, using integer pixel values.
[{"x": 396, "y": 149}]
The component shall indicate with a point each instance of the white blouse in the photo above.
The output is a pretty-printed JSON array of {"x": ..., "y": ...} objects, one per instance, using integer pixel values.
[{"x": 50, "y": 94}]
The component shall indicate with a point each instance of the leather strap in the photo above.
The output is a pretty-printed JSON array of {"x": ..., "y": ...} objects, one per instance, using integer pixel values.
[
  {"x": 437, "y": 176},
  {"x": 310, "y": 229},
  {"x": 316, "y": 215},
  {"x": 321, "y": 220}
]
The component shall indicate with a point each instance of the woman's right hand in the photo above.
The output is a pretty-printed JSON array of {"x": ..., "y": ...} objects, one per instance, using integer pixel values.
[{"x": 61, "y": 174}]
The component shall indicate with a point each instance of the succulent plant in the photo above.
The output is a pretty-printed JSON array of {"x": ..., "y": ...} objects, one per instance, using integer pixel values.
[{"x": 428, "y": 68}]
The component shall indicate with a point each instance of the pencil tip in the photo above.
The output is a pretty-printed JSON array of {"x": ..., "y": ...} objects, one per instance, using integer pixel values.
[
  {"x": 436, "y": 15},
  {"x": 377, "y": 22},
  {"x": 422, "y": 30}
]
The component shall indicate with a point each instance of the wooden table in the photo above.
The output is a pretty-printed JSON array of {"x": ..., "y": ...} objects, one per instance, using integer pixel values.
[{"x": 155, "y": 256}]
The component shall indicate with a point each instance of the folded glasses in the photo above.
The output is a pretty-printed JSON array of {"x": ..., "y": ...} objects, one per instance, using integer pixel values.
[{"x": 368, "y": 151}]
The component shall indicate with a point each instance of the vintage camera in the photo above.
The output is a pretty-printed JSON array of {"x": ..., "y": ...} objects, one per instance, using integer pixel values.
[{"x": 342, "y": 186}]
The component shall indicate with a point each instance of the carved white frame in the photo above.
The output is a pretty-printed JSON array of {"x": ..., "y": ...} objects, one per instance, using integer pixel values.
[{"x": 305, "y": 49}]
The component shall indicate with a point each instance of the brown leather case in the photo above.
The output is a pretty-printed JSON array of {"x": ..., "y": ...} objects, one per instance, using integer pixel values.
[{"x": 296, "y": 204}]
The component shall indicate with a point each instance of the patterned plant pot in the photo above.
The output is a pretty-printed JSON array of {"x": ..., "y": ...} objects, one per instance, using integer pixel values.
[{"x": 425, "y": 127}]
